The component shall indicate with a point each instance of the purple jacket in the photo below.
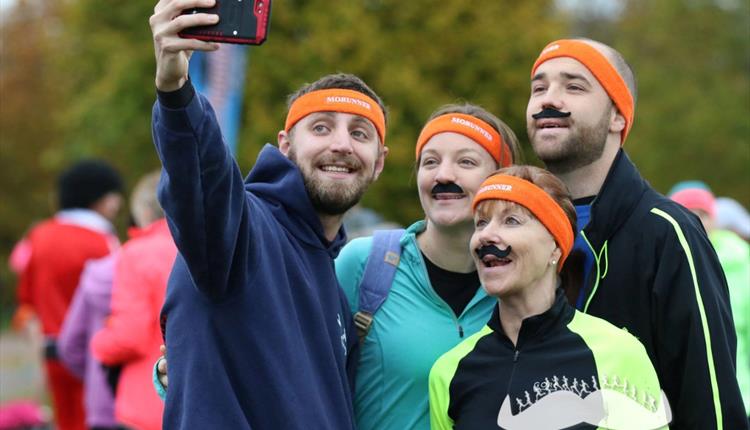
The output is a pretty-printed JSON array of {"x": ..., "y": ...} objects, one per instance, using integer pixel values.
[{"x": 86, "y": 315}]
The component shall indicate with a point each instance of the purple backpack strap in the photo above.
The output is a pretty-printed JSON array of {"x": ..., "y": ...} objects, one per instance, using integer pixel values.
[{"x": 378, "y": 277}]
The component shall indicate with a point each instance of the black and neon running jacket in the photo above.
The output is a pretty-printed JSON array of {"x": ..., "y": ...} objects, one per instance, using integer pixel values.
[
  {"x": 657, "y": 275},
  {"x": 561, "y": 351}
]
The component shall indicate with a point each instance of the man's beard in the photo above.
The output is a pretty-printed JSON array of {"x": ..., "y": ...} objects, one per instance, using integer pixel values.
[
  {"x": 581, "y": 148},
  {"x": 329, "y": 197}
]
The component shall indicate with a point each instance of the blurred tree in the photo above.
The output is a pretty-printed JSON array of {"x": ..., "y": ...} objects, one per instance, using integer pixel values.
[
  {"x": 29, "y": 94},
  {"x": 693, "y": 116}
]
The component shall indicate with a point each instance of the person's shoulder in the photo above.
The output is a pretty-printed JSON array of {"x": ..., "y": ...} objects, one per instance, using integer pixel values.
[
  {"x": 43, "y": 227},
  {"x": 660, "y": 218},
  {"x": 135, "y": 246},
  {"x": 602, "y": 327},
  {"x": 350, "y": 265},
  {"x": 356, "y": 250},
  {"x": 449, "y": 360},
  {"x": 604, "y": 335},
  {"x": 97, "y": 275}
]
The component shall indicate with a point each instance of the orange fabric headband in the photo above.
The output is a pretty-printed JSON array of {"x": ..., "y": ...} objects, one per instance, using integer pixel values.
[
  {"x": 536, "y": 200},
  {"x": 602, "y": 70},
  {"x": 337, "y": 100},
  {"x": 471, "y": 127}
]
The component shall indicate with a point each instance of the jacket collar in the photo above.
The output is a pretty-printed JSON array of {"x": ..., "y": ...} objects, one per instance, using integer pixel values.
[
  {"x": 157, "y": 227},
  {"x": 85, "y": 218},
  {"x": 618, "y": 197},
  {"x": 537, "y": 327}
]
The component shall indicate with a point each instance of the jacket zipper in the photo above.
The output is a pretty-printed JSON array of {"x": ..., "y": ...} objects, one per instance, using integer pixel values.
[
  {"x": 516, "y": 352},
  {"x": 443, "y": 304}
]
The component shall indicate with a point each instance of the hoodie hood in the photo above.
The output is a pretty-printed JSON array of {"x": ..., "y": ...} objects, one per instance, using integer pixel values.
[{"x": 278, "y": 181}]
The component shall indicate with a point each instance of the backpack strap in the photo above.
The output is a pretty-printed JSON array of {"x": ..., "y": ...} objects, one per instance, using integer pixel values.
[{"x": 377, "y": 277}]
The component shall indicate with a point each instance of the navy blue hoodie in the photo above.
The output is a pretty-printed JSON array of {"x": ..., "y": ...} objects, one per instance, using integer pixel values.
[{"x": 255, "y": 321}]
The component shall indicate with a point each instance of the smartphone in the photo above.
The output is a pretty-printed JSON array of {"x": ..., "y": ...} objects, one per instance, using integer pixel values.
[{"x": 240, "y": 21}]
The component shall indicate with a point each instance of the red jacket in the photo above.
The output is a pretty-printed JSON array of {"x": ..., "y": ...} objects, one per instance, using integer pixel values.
[
  {"x": 59, "y": 251},
  {"x": 131, "y": 336}
]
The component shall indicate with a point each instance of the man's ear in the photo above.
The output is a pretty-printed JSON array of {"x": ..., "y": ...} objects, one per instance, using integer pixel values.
[
  {"x": 284, "y": 142},
  {"x": 380, "y": 162},
  {"x": 616, "y": 122}
]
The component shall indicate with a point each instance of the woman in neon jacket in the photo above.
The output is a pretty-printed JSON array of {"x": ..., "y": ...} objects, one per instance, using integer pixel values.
[{"x": 538, "y": 363}]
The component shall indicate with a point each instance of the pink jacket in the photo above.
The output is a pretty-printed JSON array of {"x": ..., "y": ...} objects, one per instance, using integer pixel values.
[{"x": 132, "y": 336}]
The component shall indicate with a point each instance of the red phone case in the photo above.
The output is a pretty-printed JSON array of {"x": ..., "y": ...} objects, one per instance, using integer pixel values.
[{"x": 240, "y": 21}]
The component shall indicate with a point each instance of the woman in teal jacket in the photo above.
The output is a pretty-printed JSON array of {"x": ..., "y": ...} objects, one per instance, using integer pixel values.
[{"x": 435, "y": 298}]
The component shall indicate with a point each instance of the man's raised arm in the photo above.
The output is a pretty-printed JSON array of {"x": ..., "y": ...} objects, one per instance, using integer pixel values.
[{"x": 201, "y": 187}]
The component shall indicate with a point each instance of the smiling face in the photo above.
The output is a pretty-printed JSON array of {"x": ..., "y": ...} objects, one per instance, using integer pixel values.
[
  {"x": 533, "y": 249},
  {"x": 451, "y": 168},
  {"x": 566, "y": 144},
  {"x": 339, "y": 155}
]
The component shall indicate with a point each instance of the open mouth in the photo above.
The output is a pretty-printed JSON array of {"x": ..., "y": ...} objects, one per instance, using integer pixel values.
[
  {"x": 448, "y": 196},
  {"x": 493, "y": 261},
  {"x": 551, "y": 123},
  {"x": 334, "y": 168}
]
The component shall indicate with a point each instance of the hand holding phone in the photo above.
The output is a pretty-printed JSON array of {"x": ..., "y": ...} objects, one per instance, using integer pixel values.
[
  {"x": 173, "y": 52},
  {"x": 240, "y": 21}
]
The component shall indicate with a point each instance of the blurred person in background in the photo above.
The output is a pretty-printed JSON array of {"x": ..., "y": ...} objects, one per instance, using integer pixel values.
[
  {"x": 89, "y": 197},
  {"x": 87, "y": 313},
  {"x": 86, "y": 316},
  {"x": 131, "y": 335},
  {"x": 361, "y": 221},
  {"x": 734, "y": 255},
  {"x": 731, "y": 215}
]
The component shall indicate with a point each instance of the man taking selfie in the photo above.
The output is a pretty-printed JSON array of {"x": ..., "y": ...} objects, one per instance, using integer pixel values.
[{"x": 257, "y": 329}]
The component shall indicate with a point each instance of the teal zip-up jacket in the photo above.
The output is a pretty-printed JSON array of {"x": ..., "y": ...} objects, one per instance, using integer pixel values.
[{"x": 409, "y": 332}]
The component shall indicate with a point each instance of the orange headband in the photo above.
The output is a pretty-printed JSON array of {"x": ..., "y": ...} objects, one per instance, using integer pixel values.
[
  {"x": 337, "y": 100},
  {"x": 536, "y": 200},
  {"x": 471, "y": 127},
  {"x": 602, "y": 70}
]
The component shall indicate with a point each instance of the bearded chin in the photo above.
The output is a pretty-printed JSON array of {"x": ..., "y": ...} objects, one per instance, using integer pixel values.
[
  {"x": 328, "y": 198},
  {"x": 333, "y": 200},
  {"x": 579, "y": 150}
]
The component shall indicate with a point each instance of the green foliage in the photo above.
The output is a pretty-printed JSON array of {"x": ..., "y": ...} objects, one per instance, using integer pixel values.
[
  {"x": 84, "y": 85},
  {"x": 692, "y": 61}
]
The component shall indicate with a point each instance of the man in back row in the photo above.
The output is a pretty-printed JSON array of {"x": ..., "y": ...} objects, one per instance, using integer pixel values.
[
  {"x": 647, "y": 263},
  {"x": 257, "y": 329}
]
